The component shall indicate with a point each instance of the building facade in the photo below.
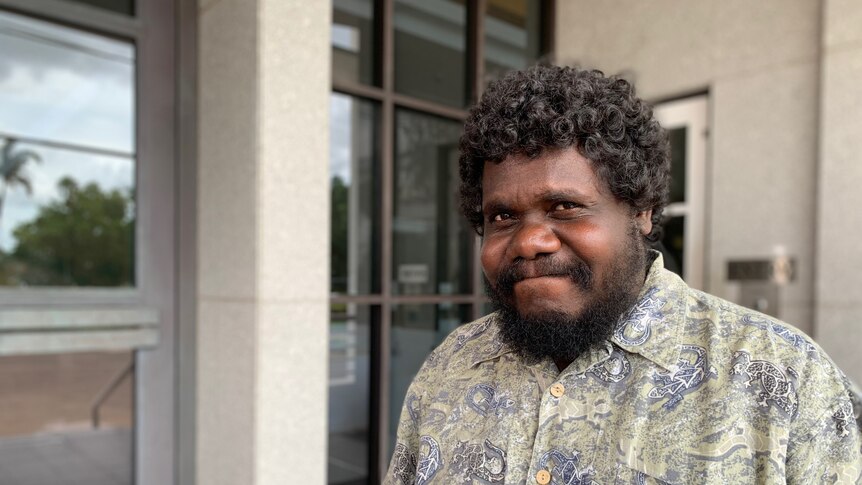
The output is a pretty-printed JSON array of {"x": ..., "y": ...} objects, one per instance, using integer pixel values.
[{"x": 229, "y": 233}]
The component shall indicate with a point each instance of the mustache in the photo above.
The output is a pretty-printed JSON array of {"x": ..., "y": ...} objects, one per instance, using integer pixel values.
[{"x": 577, "y": 271}]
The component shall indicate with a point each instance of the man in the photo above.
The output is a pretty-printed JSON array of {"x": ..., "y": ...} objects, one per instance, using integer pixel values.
[{"x": 600, "y": 366}]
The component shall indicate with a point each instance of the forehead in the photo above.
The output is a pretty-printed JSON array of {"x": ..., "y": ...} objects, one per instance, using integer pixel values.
[{"x": 558, "y": 170}]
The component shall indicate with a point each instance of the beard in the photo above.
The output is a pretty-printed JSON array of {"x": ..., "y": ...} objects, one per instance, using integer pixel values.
[{"x": 563, "y": 336}]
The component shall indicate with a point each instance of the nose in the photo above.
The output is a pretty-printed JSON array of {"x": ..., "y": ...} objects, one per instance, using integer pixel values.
[{"x": 535, "y": 239}]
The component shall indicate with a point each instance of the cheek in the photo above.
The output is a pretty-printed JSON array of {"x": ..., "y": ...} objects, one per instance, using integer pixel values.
[
  {"x": 491, "y": 256},
  {"x": 591, "y": 243}
]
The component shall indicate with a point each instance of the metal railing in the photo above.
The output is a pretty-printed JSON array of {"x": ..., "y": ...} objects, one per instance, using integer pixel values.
[{"x": 109, "y": 389}]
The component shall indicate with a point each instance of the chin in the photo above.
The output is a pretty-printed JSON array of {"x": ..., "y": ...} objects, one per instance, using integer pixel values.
[{"x": 537, "y": 307}]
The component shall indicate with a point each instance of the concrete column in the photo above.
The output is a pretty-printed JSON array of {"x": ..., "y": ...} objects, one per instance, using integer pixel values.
[
  {"x": 263, "y": 232},
  {"x": 839, "y": 229}
]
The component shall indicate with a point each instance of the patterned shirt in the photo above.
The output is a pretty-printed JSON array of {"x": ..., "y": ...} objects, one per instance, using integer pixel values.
[{"x": 689, "y": 389}]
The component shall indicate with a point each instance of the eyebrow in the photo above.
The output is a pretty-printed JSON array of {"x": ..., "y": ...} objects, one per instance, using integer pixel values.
[
  {"x": 551, "y": 195},
  {"x": 557, "y": 195}
]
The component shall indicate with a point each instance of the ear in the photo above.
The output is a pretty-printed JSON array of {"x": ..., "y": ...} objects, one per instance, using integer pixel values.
[{"x": 644, "y": 221}]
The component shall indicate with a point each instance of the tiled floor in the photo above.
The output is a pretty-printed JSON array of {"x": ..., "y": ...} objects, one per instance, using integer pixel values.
[{"x": 88, "y": 457}]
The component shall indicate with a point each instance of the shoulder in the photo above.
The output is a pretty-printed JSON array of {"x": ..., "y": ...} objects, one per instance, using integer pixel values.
[
  {"x": 459, "y": 351},
  {"x": 465, "y": 344},
  {"x": 739, "y": 327},
  {"x": 769, "y": 355}
]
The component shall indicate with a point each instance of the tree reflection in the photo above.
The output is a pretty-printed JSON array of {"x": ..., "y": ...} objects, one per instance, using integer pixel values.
[
  {"x": 84, "y": 239},
  {"x": 12, "y": 163}
]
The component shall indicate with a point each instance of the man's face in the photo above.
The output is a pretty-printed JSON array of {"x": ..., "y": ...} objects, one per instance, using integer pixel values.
[{"x": 559, "y": 250}]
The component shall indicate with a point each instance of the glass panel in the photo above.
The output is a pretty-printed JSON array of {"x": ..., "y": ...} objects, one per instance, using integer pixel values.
[
  {"x": 416, "y": 331},
  {"x": 349, "y": 391},
  {"x": 121, "y": 6},
  {"x": 674, "y": 243},
  {"x": 353, "y": 53},
  {"x": 67, "y": 161},
  {"x": 677, "y": 164},
  {"x": 431, "y": 239},
  {"x": 430, "y": 39},
  {"x": 65, "y": 86},
  {"x": 512, "y": 36},
  {"x": 355, "y": 192},
  {"x": 48, "y": 431},
  {"x": 68, "y": 219}
]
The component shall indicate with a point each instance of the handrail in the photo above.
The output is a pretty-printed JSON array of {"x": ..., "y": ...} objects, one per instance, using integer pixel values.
[{"x": 105, "y": 393}]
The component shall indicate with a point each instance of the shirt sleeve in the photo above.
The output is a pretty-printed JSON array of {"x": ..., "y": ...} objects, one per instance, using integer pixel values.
[
  {"x": 831, "y": 453},
  {"x": 402, "y": 466}
]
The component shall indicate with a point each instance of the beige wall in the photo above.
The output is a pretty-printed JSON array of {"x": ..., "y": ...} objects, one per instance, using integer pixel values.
[
  {"x": 263, "y": 233},
  {"x": 759, "y": 61},
  {"x": 839, "y": 253},
  {"x": 783, "y": 160}
]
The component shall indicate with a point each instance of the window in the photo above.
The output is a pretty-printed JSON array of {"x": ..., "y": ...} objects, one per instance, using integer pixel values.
[
  {"x": 683, "y": 241},
  {"x": 404, "y": 272},
  {"x": 67, "y": 157},
  {"x": 87, "y": 238}
]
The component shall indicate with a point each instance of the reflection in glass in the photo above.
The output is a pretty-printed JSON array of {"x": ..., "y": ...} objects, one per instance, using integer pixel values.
[
  {"x": 676, "y": 137},
  {"x": 67, "y": 418},
  {"x": 353, "y": 41},
  {"x": 355, "y": 195},
  {"x": 512, "y": 36},
  {"x": 64, "y": 85},
  {"x": 430, "y": 39},
  {"x": 349, "y": 391},
  {"x": 67, "y": 218},
  {"x": 431, "y": 243},
  {"x": 416, "y": 331},
  {"x": 674, "y": 243},
  {"x": 67, "y": 156}
]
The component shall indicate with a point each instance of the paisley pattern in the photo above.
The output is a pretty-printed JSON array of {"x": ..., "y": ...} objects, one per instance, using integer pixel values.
[
  {"x": 462, "y": 339},
  {"x": 613, "y": 370},
  {"x": 782, "y": 331},
  {"x": 411, "y": 404},
  {"x": 690, "y": 389},
  {"x": 686, "y": 378},
  {"x": 844, "y": 419},
  {"x": 776, "y": 387},
  {"x": 429, "y": 462},
  {"x": 473, "y": 461},
  {"x": 404, "y": 465},
  {"x": 566, "y": 470},
  {"x": 637, "y": 326},
  {"x": 483, "y": 398}
]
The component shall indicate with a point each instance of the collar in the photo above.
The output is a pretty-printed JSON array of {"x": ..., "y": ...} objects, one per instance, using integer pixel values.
[{"x": 652, "y": 328}]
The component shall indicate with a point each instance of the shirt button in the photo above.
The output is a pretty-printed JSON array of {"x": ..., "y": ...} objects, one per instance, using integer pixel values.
[
  {"x": 557, "y": 390},
  {"x": 543, "y": 477}
]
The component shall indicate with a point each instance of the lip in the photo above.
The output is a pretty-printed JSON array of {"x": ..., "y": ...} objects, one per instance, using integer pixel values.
[
  {"x": 537, "y": 277},
  {"x": 552, "y": 275}
]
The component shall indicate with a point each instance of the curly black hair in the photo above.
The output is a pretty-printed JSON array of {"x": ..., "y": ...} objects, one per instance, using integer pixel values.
[{"x": 543, "y": 107}]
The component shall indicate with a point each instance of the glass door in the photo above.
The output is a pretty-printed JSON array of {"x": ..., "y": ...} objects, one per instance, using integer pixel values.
[{"x": 684, "y": 218}]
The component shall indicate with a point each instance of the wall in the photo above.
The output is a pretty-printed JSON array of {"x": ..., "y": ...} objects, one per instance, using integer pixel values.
[
  {"x": 759, "y": 61},
  {"x": 839, "y": 259},
  {"x": 263, "y": 232}
]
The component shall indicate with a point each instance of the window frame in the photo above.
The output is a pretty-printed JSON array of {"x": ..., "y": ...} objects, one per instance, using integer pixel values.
[
  {"x": 96, "y": 21},
  {"x": 383, "y": 92},
  {"x": 150, "y": 306},
  {"x": 691, "y": 113}
]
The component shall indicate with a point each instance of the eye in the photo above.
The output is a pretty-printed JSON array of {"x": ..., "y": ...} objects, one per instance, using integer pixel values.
[
  {"x": 562, "y": 206},
  {"x": 501, "y": 216}
]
